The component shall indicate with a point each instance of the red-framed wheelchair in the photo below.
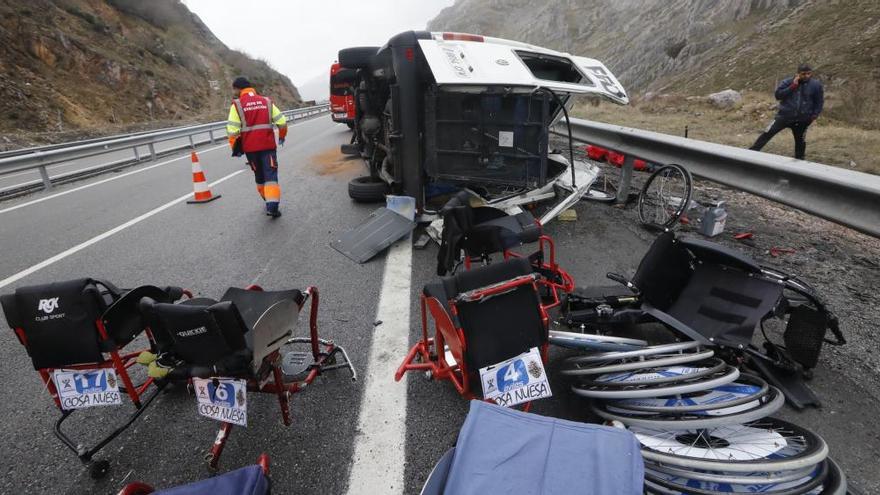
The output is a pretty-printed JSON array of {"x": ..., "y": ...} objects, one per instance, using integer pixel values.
[
  {"x": 76, "y": 333},
  {"x": 472, "y": 234},
  {"x": 482, "y": 317},
  {"x": 249, "y": 334}
]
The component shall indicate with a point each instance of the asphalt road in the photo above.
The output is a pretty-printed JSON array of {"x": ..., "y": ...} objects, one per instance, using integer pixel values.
[{"x": 135, "y": 228}]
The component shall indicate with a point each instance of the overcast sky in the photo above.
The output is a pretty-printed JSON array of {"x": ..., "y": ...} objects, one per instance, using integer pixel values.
[{"x": 300, "y": 38}]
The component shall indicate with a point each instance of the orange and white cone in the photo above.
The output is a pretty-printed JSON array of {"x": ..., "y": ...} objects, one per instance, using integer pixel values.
[{"x": 201, "y": 191}]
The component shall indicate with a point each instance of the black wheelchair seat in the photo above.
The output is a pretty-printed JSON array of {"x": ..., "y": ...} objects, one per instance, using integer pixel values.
[{"x": 231, "y": 336}]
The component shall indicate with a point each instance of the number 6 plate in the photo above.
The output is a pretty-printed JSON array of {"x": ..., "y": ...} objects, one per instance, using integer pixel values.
[
  {"x": 223, "y": 399},
  {"x": 516, "y": 380}
]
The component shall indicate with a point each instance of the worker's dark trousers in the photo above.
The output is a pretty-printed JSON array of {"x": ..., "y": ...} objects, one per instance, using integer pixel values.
[
  {"x": 798, "y": 129},
  {"x": 265, "y": 167}
]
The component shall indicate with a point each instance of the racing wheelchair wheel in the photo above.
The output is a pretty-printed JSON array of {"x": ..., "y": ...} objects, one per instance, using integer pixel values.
[{"x": 665, "y": 197}]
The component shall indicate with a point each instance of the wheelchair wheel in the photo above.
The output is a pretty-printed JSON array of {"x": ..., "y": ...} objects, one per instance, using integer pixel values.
[
  {"x": 748, "y": 388},
  {"x": 759, "y": 409},
  {"x": 665, "y": 197},
  {"x": 767, "y": 445},
  {"x": 574, "y": 368},
  {"x": 635, "y": 353},
  {"x": 586, "y": 341},
  {"x": 656, "y": 376},
  {"x": 734, "y": 479},
  {"x": 800, "y": 486},
  {"x": 643, "y": 391}
]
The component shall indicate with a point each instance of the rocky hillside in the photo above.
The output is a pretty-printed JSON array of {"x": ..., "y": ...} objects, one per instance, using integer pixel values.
[
  {"x": 695, "y": 47},
  {"x": 93, "y": 64}
]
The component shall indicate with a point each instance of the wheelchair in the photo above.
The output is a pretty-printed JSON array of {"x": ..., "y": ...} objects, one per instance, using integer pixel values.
[
  {"x": 717, "y": 297},
  {"x": 481, "y": 317},
  {"x": 241, "y": 337},
  {"x": 472, "y": 234},
  {"x": 77, "y": 333}
]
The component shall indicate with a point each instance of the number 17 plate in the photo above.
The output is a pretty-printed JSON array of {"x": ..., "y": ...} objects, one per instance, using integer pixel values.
[{"x": 516, "y": 380}]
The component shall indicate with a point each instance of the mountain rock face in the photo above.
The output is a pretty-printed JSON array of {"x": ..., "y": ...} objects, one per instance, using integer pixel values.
[
  {"x": 695, "y": 46},
  {"x": 87, "y": 64}
]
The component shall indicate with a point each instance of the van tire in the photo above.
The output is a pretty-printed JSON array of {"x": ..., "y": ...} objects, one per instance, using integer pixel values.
[
  {"x": 367, "y": 189},
  {"x": 360, "y": 57}
]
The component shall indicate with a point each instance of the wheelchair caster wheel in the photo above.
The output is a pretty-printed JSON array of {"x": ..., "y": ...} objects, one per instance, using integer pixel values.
[{"x": 99, "y": 469}]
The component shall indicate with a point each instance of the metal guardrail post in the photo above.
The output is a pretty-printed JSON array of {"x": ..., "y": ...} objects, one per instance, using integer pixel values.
[
  {"x": 211, "y": 135},
  {"x": 192, "y": 144},
  {"x": 44, "y": 174},
  {"x": 137, "y": 155},
  {"x": 152, "y": 151},
  {"x": 626, "y": 174}
]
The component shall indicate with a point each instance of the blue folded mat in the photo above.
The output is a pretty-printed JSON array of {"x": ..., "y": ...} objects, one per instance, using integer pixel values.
[
  {"x": 504, "y": 451},
  {"x": 245, "y": 481}
]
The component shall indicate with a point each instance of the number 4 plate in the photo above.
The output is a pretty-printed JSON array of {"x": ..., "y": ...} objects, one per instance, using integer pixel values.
[
  {"x": 223, "y": 399},
  {"x": 516, "y": 380}
]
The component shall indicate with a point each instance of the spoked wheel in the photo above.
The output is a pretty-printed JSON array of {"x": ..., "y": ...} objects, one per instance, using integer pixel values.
[
  {"x": 594, "y": 342},
  {"x": 655, "y": 376},
  {"x": 799, "y": 486},
  {"x": 753, "y": 411},
  {"x": 634, "y": 360},
  {"x": 748, "y": 388},
  {"x": 665, "y": 197},
  {"x": 605, "y": 357},
  {"x": 766, "y": 445},
  {"x": 636, "y": 391},
  {"x": 756, "y": 478}
]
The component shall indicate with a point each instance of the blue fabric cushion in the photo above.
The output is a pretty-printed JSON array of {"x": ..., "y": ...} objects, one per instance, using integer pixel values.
[
  {"x": 245, "y": 481},
  {"x": 505, "y": 451}
]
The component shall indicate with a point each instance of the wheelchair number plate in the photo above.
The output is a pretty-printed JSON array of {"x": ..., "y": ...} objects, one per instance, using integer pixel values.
[
  {"x": 223, "y": 399},
  {"x": 87, "y": 388},
  {"x": 516, "y": 380}
]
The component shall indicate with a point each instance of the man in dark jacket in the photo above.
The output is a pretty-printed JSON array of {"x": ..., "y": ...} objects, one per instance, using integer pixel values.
[{"x": 800, "y": 102}]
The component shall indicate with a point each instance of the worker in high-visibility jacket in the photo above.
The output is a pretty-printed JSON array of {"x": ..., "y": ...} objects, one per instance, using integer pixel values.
[{"x": 251, "y": 130}]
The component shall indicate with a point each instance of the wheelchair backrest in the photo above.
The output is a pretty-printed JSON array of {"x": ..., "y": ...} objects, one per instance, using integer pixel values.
[
  {"x": 501, "y": 326},
  {"x": 663, "y": 272},
  {"x": 56, "y": 322},
  {"x": 198, "y": 331}
]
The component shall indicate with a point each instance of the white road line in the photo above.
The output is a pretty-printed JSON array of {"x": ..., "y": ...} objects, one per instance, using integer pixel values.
[
  {"x": 98, "y": 238},
  {"x": 120, "y": 176},
  {"x": 380, "y": 441}
]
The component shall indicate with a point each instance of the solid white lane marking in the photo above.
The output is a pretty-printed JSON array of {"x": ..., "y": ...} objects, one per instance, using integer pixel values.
[
  {"x": 98, "y": 238},
  {"x": 120, "y": 176},
  {"x": 380, "y": 441}
]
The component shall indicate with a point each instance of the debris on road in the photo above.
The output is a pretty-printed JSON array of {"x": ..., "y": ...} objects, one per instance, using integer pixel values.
[{"x": 569, "y": 215}]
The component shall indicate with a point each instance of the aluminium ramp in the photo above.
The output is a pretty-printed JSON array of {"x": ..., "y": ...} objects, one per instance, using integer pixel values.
[{"x": 380, "y": 230}]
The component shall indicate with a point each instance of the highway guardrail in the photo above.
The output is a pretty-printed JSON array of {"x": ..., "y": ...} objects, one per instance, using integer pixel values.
[{"x": 842, "y": 196}]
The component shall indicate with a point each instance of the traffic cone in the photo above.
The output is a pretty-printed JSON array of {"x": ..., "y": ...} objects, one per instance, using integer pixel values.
[{"x": 201, "y": 191}]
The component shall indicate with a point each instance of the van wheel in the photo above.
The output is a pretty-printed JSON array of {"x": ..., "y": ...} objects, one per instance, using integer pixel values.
[
  {"x": 367, "y": 189},
  {"x": 358, "y": 57}
]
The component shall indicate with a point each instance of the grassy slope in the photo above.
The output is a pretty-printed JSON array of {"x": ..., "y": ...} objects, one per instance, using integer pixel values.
[
  {"x": 85, "y": 66},
  {"x": 828, "y": 141}
]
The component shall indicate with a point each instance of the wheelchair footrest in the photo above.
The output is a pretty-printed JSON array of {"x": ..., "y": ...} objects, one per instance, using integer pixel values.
[{"x": 297, "y": 362}]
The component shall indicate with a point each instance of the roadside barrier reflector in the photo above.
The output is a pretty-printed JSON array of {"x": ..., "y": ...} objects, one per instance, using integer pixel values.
[{"x": 201, "y": 191}]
